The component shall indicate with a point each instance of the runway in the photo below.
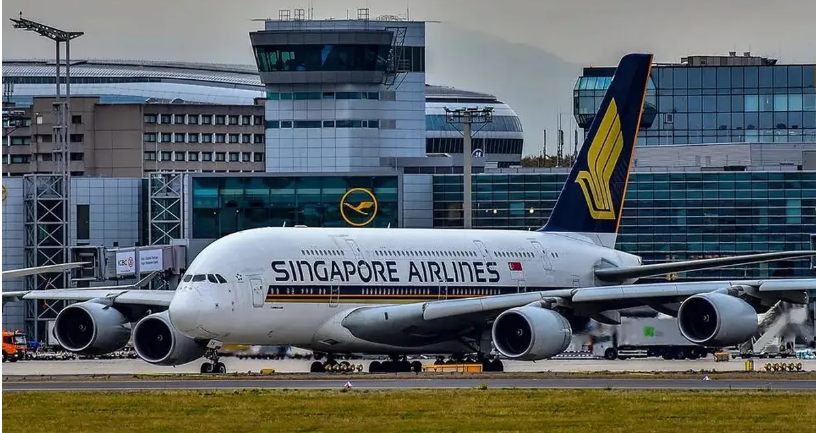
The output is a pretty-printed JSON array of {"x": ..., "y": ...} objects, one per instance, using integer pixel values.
[
  {"x": 402, "y": 384},
  {"x": 136, "y": 366}
]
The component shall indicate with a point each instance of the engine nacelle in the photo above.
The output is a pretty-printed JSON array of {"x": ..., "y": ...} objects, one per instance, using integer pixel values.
[
  {"x": 716, "y": 319},
  {"x": 531, "y": 333},
  {"x": 156, "y": 341},
  {"x": 91, "y": 328}
]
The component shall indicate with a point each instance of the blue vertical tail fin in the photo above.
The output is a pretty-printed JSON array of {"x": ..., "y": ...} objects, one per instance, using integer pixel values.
[{"x": 591, "y": 201}]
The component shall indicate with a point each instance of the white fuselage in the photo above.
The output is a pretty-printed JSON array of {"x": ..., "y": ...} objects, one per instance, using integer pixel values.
[{"x": 293, "y": 286}]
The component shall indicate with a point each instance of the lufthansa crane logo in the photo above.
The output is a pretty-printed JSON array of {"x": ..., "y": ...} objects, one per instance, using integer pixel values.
[
  {"x": 602, "y": 157},
  {"x": 358, "y": 207}
]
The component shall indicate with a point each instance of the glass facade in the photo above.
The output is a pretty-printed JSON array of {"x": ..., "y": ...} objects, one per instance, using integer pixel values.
[
  {"x": 512, "y": 146},
  {"x": 667, "y": 216},
  {"x": 328, "y": 57},
  {"x": 716, "y": 104},
  {"x": 224, "y": 205}
]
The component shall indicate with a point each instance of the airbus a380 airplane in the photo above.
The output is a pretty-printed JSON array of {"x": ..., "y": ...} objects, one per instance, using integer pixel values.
[{"x": 417, "y": 291}]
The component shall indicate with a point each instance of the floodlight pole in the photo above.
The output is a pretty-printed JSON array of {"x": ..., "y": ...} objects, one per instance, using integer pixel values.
[
  {"x": 468, "y": 116},
  {"x": 62, "y": 115}
]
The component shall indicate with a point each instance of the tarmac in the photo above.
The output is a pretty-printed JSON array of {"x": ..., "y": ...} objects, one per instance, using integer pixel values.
[
  {"x": 402, "y": 384},
  {"x": 137, "y": 366}
]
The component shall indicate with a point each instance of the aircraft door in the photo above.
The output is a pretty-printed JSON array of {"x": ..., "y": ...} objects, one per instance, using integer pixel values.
[
  {"x": 482, "y": 250},
  {"x": 813, "y": 247},
  {"x": 358, "y": 253},
  {"x": 443, "y": 291},
  {"x": 258, "y": 292},
  {"x": 334, "y": 293},
  {"x": 543, "y": 255}
]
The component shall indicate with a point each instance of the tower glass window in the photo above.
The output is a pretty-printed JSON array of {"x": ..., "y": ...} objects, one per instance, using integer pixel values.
[{"x": 328, "y": 57}]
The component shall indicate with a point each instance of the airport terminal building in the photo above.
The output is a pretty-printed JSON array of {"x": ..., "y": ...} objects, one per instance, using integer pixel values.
[{"x": 172, "y": 156}]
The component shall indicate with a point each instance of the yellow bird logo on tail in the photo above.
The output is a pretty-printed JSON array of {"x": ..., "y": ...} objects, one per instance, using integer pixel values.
[
  {"x": 360, "y": 208},
  {"x": 602, "y": 157}
]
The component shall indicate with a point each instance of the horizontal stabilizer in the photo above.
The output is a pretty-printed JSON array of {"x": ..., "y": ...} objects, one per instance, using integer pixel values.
[{"x": 626, "y": 273}]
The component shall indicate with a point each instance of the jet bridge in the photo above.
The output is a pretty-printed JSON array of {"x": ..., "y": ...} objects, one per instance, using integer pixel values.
[
  {"x": 135, "y": 262},
  {"x": 130, "y": 263}
]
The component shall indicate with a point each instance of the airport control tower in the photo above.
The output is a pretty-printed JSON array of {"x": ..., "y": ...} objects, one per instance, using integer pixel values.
[{"x": 341, "y": 95}]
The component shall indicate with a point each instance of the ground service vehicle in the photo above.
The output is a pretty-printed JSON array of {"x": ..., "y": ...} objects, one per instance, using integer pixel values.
[
  {"x": 14, "y": 346},
  {"x": 640, "y": 337}
]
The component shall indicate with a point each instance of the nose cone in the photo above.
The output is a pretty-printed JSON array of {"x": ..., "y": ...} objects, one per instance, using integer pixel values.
[{"x": 185, "y": 310}]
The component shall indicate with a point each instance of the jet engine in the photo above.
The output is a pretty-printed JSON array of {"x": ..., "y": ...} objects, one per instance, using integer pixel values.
[
  {"x": 531, "y": 333},
  {"x": 156, "y": 341},
  {"x": 716, "y": 319},
  {"x": 91, "y": 328}
]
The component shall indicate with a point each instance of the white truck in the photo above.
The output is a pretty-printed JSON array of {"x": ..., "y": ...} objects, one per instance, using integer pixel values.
[{"x": 642, "y": 337}]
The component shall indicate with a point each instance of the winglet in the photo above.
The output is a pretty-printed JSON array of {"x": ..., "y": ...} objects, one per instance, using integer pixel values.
[
  {"x": 591, "y": 201},
  {"x": 635, "y": 272}
]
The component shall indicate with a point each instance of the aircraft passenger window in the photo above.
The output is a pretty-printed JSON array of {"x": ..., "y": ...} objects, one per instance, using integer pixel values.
[
  {"x": 211, "y": 278},
  {"x": 199, "y": 277},
  {"x": 221, "y": 279},
  {"x": 187, "y": 278}
]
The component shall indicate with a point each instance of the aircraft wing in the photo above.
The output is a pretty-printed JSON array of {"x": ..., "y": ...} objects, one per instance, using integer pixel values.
[
  {"x": 41, "y": 269},
  {"x": 130, "y": 294},
  {"x": 627, "y": 273},
  {"x": 438, "y": 320}
]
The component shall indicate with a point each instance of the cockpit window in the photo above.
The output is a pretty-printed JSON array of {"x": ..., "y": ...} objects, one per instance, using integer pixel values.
[
  {"x": 221, "y": 279},
  {"x": 199, "y": 277},
  {"x": 211, "y": 278},
  {"x": 187, "y": 278}
]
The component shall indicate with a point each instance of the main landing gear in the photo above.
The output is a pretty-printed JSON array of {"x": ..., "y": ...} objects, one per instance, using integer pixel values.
[
  {"x": 396, "y": 364},
  {"x": 215, "y": 366},
  {"x": 331, "y": 365}
]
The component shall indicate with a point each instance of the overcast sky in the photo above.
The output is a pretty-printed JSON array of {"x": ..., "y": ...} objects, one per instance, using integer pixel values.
[{"x": 546, "y": 41}]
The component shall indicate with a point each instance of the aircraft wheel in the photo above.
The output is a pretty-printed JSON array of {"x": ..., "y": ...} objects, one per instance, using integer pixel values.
[
  {"x": 416, "y": 367},
  {"x": 374, "y": 367},
  {"x": 610, "y": 353},
  {"x": 220, "y": 368},
  {"x": 317, "y": 367},
  {"x": 206, "y": 368},
  {"x": 405, "y": 367},
  {"x": 498, "y": 365}
]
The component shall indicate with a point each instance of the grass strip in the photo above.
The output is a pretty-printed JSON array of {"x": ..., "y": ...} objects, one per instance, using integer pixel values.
[{"x": 464, "y": 410}]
